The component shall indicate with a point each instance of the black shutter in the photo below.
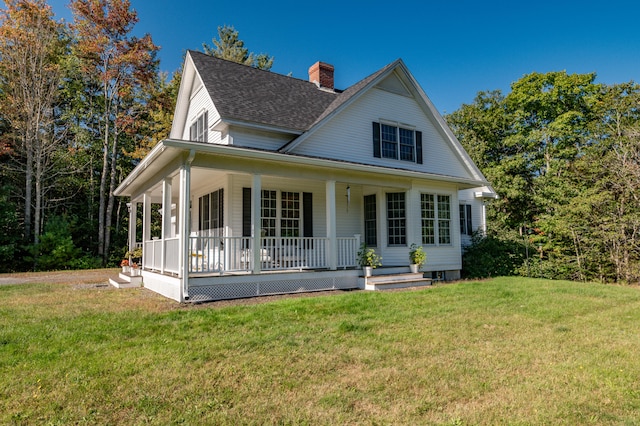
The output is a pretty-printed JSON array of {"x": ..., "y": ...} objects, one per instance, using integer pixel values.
[
  {"x": 307, "y": 218},
  {"x": 376, "y": 139},
  {"x": 469, "y": 224},
  {"x": 221, "y": 208},
  {"x": 418, "y": 147},
  {"x": 246, "y": 212}
]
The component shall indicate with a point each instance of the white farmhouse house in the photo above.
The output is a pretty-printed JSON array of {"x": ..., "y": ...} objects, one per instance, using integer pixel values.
[{"x": 270, "y": 184}]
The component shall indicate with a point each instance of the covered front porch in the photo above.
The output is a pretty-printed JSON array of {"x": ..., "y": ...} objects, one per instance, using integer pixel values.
[{"x": 215, "y": 218}]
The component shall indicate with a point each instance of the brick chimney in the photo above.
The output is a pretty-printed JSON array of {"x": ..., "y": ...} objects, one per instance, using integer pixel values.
[{"x": 322, "y": 75}]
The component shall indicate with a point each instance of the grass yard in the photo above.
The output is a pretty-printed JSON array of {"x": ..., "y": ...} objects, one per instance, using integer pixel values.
[{"x": 503, "y": 351}]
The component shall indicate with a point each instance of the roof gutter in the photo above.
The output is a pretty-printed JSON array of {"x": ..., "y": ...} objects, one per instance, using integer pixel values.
[{"x": 146, "y": 161}]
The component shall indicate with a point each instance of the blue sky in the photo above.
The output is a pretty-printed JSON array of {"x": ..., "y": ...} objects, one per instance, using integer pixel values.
[{"x": 454, "y": 49}]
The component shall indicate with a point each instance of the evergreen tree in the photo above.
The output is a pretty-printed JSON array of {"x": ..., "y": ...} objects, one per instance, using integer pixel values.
[{"x": 228, "y": 46}]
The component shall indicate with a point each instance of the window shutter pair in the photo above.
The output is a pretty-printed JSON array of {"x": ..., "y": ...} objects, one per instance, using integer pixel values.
[{"x": 377, "y": 149}]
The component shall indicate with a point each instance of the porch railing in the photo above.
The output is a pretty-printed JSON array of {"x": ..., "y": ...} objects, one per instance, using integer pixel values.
[
  {"x": 235, "y": 254},
  {"x": 153, "y": 254}
]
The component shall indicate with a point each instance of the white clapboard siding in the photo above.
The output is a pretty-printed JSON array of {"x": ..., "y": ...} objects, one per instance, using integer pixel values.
[
  {"x": 201, "y": 101},
  {"x": 348, "y": 136}
]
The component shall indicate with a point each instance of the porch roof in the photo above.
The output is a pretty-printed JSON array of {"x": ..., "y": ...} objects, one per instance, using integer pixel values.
[{"x": 169, "y": 155}]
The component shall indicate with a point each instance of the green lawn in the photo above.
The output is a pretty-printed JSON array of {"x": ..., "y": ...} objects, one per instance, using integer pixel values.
[{"x": 503, "y": 351}]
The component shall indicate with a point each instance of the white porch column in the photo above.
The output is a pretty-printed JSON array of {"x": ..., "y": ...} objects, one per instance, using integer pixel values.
[
  {"x": 166, "y": 220},
  {"x": 184, "y": 225},
  {"x": 256, "y": 203},
  {"x": 133, "y": 223},
  {"x": 332, "y": 246},
  {"x": 146, "y": 227}
]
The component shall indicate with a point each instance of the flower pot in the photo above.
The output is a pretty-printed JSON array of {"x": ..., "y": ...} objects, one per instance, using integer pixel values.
[
  {"x": 367, "y": 270},
  {"x": 135, "y": 272},
  {"x": 125, "y": 269},
  {"x": 414, "y": 268}
]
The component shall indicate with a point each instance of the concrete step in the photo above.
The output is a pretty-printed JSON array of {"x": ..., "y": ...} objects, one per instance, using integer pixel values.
[
  {"x": 125, "y": 280},
  {"x": 390, "y": 281},
  {"x": 407, "y": 276}
]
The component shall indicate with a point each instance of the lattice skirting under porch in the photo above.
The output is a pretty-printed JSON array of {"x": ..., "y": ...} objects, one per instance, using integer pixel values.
[{"x": 202, "y": 293}]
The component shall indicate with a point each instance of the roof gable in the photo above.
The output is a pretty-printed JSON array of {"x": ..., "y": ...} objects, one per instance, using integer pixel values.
[{"x": 395, "y": 79}]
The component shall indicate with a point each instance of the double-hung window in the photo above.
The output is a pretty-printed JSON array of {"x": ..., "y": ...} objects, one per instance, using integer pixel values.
[
  {"x": 436, "y": 218},
  {"x": 444, "y": 219},
  {"x": 396, "y": 219},
  {"x": 199, "y": 129},
  {"x": 290, "y": 212},
  {"x": 269, "y": 213},
  {"x": 370, "y": 221},
  {"x": 397, "y": 142},
  {"x": 389, "y": 137}
]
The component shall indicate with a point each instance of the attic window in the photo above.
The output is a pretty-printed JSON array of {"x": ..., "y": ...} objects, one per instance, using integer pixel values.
[
  {"x": 199, "y": 129},
  {"x": 397, "y": 142}
]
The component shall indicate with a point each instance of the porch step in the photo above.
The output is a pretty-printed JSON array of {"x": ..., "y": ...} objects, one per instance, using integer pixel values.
[
  {"x": 390, "y": 281},
  {"x": 125, "y": 280}
]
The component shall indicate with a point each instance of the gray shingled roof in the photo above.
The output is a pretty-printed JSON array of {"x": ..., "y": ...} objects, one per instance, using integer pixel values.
[{"x": 244, "y": 93}]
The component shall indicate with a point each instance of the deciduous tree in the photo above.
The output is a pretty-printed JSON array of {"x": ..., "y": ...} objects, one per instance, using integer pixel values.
[
  {"x": 31, "y": 45},
  {"x": 121, "y": 64}
]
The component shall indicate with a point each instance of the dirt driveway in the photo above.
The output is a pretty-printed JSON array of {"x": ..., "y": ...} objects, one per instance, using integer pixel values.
[{"x": 69, "y": 277}]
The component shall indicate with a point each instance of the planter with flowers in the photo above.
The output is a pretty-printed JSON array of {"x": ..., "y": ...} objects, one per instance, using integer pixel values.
[
  {"x": 125, "y": 266},
  {"x": 368, "y": 259},
  {"x": 417, "y": 257},
  {"x": 135, "y": 271}
]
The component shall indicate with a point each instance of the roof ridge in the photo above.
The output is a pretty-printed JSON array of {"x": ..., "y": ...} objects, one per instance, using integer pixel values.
[
  {"x": 241, "y": 93},
  {"x": 338, "y": 91}
]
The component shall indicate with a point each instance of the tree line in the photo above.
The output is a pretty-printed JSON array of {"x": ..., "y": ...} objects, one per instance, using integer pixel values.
[
  {"x": 80, "y": 105},
  {"x": 563, "y": 154}
]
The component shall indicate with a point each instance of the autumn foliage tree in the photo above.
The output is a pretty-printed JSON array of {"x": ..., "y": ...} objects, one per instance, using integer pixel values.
[
  {"x": 122, "y": 65},
  {"x": 31, "y": 45}
]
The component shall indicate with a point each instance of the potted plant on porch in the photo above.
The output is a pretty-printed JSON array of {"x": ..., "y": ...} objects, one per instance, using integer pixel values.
[
  {"x": 125, "y": 266},
  {"x": 368, "y": 259},
  {"x": 417, "y": 257}
]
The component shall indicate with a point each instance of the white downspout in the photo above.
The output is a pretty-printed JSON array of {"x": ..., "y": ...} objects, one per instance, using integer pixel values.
[
  {"x": 256, "y": 200},
  {"x": 332, "y": 247}
]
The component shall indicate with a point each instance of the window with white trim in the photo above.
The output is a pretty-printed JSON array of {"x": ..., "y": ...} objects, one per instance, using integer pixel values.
[
  {"x": 370, "y": 221},
  {"x": 466, "y": 224},
  {"x": 436, "y": 218},
  {"x": 396, "y": 219},
  {"x": 290, "y": 214},
  {"x": 269, "y": 213},
  {"x": 444, "y": 219},
  {"x": 397, "y": 142},
  {"x": 200, "y": 128}
]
